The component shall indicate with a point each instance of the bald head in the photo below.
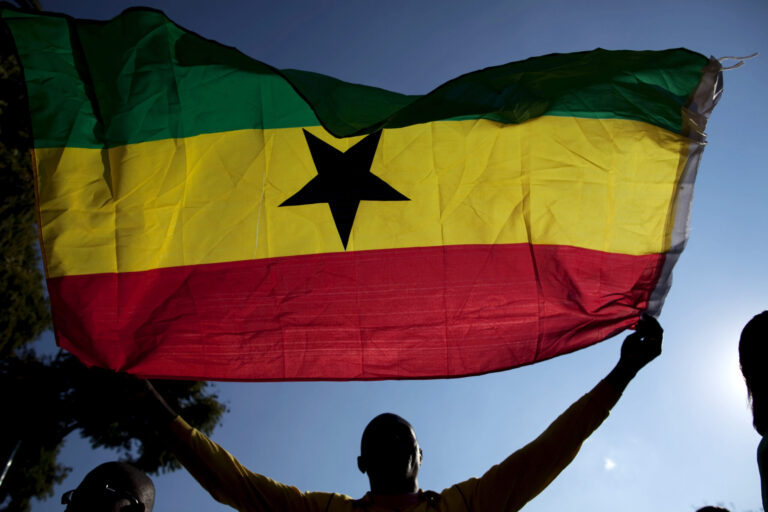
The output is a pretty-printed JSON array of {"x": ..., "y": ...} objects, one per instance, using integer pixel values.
[
  {"x": 390, "y": 455},
  {"x": 113, "y": 486}
]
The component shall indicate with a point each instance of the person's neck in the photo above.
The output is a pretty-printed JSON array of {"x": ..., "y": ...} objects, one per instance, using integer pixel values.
[
  {"x": 395, "y": 501},
  {"x": 393, "y": 488}
]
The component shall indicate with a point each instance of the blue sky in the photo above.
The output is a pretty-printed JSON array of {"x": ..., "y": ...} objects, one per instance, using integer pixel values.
[{"x": 681, "y": 436}]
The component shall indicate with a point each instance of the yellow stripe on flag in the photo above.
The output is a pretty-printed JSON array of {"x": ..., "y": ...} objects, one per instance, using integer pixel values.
[{"x": 607, "y": 185}]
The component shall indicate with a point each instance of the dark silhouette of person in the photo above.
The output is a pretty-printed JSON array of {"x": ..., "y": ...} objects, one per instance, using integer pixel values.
[
  {"x": 112, "y": 487},
  {"x": 753, "y": 357},
  {"x": 391, "y": 457},
  {"x": 712, "y": 509}
]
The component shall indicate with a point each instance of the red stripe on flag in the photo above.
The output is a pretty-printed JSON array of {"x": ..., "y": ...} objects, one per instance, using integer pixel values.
[{"x": 401, "y": 313}]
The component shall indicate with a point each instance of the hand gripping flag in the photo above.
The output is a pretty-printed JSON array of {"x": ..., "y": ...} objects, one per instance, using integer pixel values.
[{"x": 204, "y": 215}]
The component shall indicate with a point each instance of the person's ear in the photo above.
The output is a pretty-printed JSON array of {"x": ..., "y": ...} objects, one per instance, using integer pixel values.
[
  {"x": 361, "y": 464},
  {"x": 421, "y": 456}
]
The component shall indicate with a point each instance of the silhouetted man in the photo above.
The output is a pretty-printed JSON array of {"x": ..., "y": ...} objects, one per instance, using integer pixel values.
[
  {"x": 391, "y": 457},
  {"x": 753, "y": 357},
  {"x": 112, "y": 487}
]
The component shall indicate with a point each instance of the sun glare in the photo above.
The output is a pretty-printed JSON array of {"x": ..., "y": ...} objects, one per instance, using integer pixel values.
[{"x": 724, "y": 362}]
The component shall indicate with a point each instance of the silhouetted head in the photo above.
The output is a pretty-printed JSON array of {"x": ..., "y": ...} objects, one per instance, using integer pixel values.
[
  {"x": 753, "y": 357},
  {"x": 390, "y": 455},
  {"x": 712, "y": 509},
  {"x": 112, "y": 487}
]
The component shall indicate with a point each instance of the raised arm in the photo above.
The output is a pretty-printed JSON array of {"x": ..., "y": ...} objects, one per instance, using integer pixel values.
[
  {"x": 640, "y": 348},
  {"x": 162, "y": 413},
  {"x": 524, "y": 474},
  {"x": 219, "y": 473}
]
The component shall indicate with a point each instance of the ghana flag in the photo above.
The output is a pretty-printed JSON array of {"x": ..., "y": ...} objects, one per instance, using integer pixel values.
[{"x": 204, "y": 215}]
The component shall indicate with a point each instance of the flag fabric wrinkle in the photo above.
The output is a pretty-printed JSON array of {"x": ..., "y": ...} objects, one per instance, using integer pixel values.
[{"x": 205, "y": 215}]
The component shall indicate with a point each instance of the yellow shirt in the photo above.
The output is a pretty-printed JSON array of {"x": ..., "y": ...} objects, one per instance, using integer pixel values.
[{"x": 507, "y": 486}]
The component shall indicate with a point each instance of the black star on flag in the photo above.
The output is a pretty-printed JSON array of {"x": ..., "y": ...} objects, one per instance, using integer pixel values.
[{"x": 343, "y": 180}]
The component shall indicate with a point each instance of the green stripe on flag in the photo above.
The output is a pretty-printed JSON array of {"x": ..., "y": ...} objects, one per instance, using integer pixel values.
[{"x": 140, "y": 77}]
